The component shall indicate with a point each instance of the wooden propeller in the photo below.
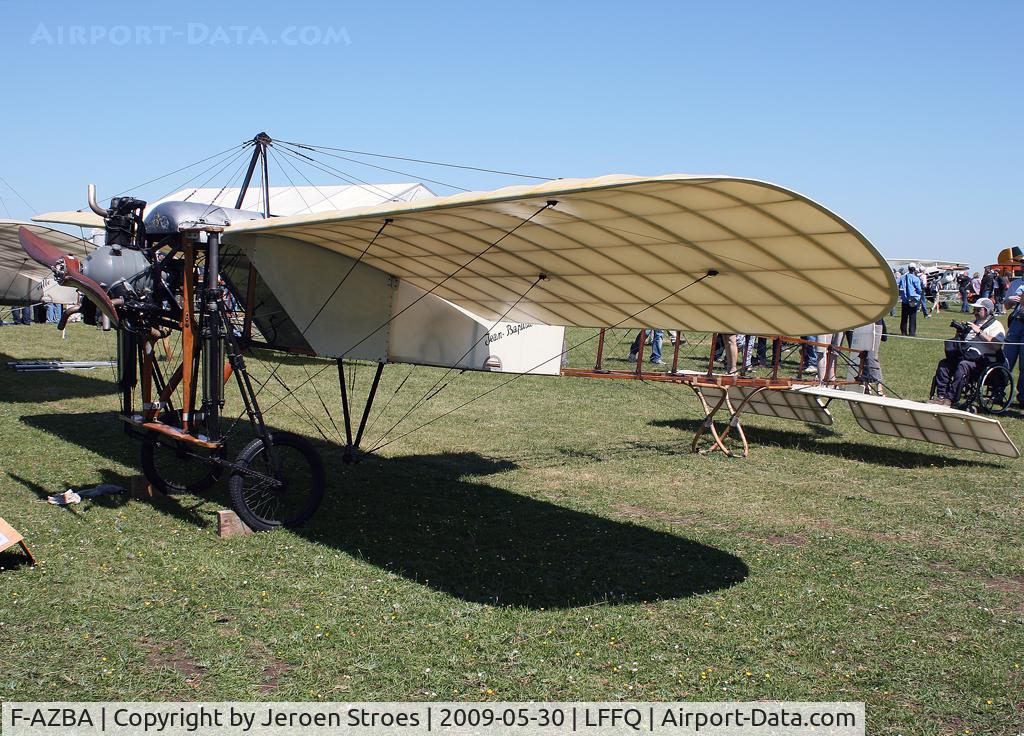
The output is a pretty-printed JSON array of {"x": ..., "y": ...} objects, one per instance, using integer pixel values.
[{"x": 67, "y": 270}]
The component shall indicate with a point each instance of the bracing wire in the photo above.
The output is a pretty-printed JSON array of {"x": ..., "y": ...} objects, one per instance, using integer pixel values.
[
  {"x": 185, "y": 168},
  {"x": 323, "y": 197},
  {"x": 298, "y": 190},
  {"x": 312, "y": 420},
  {"x": 390, "y": 171},
  {"x": 231, "y": 161},
  {"x": 344, "y": 278},
  {"x": 517, "y": 376},
  {"x": 336, "y": 173},
  {"x": 324, "y": 405},
  {"x": 336, "y": 288},
  {"x": 18, "y": 195},
  {"x": 213, "y": 202},
  {"x": 387, "y": 403},
  {"x": 231, "y": 155},
  {"x": 421, "y": 161},
  {"x": 436, "y": 286},
  {"x": 430, "y": 392}
]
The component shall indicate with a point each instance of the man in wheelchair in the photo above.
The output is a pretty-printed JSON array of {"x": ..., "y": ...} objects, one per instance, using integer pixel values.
[{"x": 978, "y": 344}]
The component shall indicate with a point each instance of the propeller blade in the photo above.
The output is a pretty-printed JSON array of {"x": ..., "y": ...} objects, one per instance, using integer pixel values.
[
  {"x": 94, "y": 293},
  {"x": 68, "y": 271},
  {"x": 38, "y": 249}
]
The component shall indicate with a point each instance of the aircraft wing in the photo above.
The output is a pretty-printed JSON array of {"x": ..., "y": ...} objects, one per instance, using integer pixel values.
[
  {"x": 78, "y": 218},
  {"x": 616, "y": 250}
]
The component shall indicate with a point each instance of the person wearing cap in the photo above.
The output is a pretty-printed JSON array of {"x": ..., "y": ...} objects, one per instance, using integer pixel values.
[
  {"x": 981, "y": 343},
  {"x": 911, "y": 293}
]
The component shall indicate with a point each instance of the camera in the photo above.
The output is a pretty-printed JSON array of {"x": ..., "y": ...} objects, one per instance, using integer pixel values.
[{"x": 960, "y": 326}]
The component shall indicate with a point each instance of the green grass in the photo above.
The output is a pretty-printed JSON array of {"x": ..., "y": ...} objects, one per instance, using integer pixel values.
[{"x": 554, "y": 540}]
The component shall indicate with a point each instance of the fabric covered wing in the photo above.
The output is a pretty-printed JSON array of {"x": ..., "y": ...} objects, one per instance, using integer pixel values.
[
  {"x": 77, "y": 218},
  {"x": 914, "y": 420},
  {"x": 619, "y": 251}
]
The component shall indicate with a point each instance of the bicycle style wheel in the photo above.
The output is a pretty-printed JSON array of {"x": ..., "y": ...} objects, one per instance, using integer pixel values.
[
  {"x": 285, "y": 492},
  {"x": 173, "y": 467}
]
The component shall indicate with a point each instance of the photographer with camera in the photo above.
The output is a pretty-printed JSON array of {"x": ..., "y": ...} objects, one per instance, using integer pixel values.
[{"x": 976, "y": 344}]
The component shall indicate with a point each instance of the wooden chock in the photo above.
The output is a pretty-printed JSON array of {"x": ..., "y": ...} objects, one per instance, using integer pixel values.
[{"x": 229, "y": 525}]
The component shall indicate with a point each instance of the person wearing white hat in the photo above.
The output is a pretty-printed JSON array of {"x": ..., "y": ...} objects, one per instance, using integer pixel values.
[{"x": 980, "y": 344}]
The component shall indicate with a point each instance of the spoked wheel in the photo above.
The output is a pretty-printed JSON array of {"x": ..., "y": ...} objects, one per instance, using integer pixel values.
[
  {"x": 174, "y": 467},
  {"x": 286, "y": 492},
  {"x": 966, "y": 398},
  {"x": 996, "y": 390}
]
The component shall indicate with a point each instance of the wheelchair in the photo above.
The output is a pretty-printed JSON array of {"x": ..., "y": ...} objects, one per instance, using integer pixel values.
[{"x": 989, "y": 390}]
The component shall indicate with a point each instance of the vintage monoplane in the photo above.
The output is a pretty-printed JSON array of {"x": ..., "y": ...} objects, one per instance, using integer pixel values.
[{"x": 438, "y": 281}]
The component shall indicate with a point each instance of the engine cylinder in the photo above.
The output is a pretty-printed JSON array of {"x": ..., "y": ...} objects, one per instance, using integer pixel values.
[{"x": 109, "y": 264}]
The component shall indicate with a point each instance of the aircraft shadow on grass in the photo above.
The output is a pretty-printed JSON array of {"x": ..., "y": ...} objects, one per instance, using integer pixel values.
[
  {"x": 12, "y": 558},
  {"x": 809, "y": 441},
  {"x": 33, "y": 388},
  {"x": 433, "y": 520}
]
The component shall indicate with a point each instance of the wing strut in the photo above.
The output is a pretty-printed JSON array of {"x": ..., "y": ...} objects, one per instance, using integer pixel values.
[{"x": 352, "y": 448}]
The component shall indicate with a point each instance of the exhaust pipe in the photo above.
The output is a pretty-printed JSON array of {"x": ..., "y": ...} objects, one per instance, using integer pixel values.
[{"x": 93, "y": 205}]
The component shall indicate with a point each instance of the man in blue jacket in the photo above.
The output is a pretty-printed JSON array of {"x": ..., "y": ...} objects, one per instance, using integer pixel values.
[{"x": 911, "y": 294}]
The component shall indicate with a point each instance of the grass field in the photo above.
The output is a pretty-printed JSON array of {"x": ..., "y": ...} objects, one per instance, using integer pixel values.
[{"x": 555, "y": 540}]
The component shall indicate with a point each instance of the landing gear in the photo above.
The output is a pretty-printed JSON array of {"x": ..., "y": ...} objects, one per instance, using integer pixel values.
[
  {"x": 174, "y": 467},
  {"x": 275, "y": 484},
  {"x": 278, "y": 479}
]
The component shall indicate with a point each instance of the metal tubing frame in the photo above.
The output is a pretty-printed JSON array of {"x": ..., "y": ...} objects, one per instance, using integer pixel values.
[
  {"x": 369, "y": 402},
  {"x": 344, "y": 402},
  {"x": 352, "y": 446}
]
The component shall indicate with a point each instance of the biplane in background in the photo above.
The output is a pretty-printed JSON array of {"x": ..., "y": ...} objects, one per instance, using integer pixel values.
[
  {"x": 436, "y": 281},
  {"x": 25, "y": 283}
]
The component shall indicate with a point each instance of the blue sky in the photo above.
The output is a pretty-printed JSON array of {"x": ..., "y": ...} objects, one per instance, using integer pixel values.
[{"x": 904, "y": 118}]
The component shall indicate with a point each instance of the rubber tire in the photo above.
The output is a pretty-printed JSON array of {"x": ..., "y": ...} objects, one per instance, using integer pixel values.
[
  {"x": 983, "y": 399},
  {"x": 168, "y": 486},
  {"x": 317, "y": 482}
]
